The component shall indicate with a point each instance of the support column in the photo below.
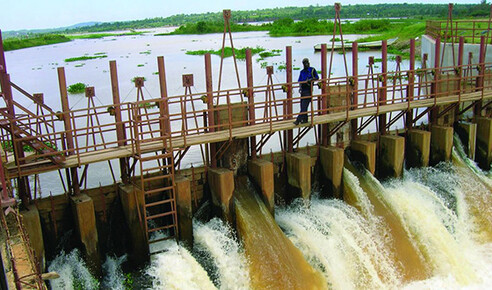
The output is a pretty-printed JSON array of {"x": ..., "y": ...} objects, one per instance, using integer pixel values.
[
  {"x": 332, "y": 159},
  {"x": 262, "y": 173},
  {"x": 468, "y": 136},
  {"x": 251, "y": 100},
  {"x": 299, "y": 173},
  {"x": 210, "y": 107},
  {"x": 185, "y": 210},
  {"x": 355, "y": 88},
  {"x": 68, "y": 128},
  {"x": 221, "y": 182},
  {"x": 483, "y": 154},
  {"x": 85, "y": 221},
  {"x": 411, "y": 85},
  {"x": 383, "y": 90},
  {"x": 132, "y": 201},
  {"x": 289, "y": 134},
  {"x": 391, "y": 156},
  {"x": 441, "y": 144},
  {"x": 365, "y": 153},
  {"x": 417, "y": 150},
  {"x": 32, "y": 224},
  {"x": 120, "y": 126}
]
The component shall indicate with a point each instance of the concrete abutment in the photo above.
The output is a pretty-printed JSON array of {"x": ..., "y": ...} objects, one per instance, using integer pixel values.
[
  {"x": 417, "y": 150},
  {"x": 262, "y": 173},
  {"x": 299, "y": 173},
  {"x": 483, "y": 154},
  {"x": 221, "y": 182},
  {"x": 332, "y": 160},
  {"x": 391, "y": 156},
  {"x": 441, "y": 144},
  {"x": 85, "y": 221},
  {"x": 365, "y": 153}
]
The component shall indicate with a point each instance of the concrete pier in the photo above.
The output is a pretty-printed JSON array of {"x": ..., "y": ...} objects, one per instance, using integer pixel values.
[
  {"x": 299, "y": 173},
  {"x": 417, "y": 150},
  {"x": 185, "y": 210},
  {"x": 32, "y": 224},
  {"x": 85, "y": 220},
  {"x": 391, "y": 156},
  {"x": 364, "y": 152},
  {"x": 332, "y": 159},
  {"x": 468, "y": 136},
  {"x": 483, "y": 155},
  {"x": 262, "y": 173},
  {"x": 441, "y": 144},
  {"x": 221, "y": 182},
  {"x": 132, "y": 201}
]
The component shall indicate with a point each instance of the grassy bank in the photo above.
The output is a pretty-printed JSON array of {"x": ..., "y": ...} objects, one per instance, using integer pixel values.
[
  {"x": 31, "y": 41},
  {"x": 204, "y": 27}
]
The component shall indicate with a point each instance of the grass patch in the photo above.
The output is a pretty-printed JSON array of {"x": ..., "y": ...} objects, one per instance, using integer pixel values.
[
  {"x": 240, "y": 53},
  {"x": 32, "y": 41},
  {"x": 85, "y": 57},
  {"x": 76, "y": 88}
]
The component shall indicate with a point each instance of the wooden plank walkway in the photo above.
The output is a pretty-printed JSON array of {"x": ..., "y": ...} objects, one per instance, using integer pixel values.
[{"x": 242, "y": 132}]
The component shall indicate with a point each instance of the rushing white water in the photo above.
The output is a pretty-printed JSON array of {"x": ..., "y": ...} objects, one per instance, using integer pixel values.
[
  {"x": 73, "y": 272},
  {"x": 177, "y": 269},
  {"x": 113, "y": 275},
  {"x": 217, "y": 241},
  {"x": 443, "y": 211},
  {"x": 338, "y": 241}
]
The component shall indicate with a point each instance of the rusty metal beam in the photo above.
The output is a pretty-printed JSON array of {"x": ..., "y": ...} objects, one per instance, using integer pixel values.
[
  {"x": 210, "y": 108},
  {"x": 383, "y": 90},
  {"x": 355, "y": 86},
  {"x": 68, "y": 127},
  {"x": 288, "y": 70},
  {"x": 324, "y": 91},
  {"x": 120, "y": 126},
  {"x": 411, "y": 85},
  {"x": 251, "y": 100}
]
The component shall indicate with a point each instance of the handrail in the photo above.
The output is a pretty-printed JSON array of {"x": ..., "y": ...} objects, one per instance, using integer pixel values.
[{"x": 183, "y": 121}]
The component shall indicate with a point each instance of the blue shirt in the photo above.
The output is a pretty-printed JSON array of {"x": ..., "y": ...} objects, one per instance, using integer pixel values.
[{"x": 306, "y": 76}]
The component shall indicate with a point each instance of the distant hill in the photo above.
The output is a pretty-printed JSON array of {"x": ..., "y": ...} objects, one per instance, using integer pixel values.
[
  {"x": 400, "y": 10},
  {"x": 7, "y": 34}
]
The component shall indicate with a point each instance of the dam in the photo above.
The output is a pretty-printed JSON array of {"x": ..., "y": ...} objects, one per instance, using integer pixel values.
[{"x": 359, "y": 207}]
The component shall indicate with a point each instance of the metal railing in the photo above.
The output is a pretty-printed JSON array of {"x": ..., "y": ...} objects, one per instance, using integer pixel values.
[
  {"x": 470, "y": 30},
  {"x": 188, "y": 113}
]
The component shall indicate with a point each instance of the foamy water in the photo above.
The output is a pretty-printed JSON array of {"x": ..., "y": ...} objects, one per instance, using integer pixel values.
[{"x": 443, "y": 213}]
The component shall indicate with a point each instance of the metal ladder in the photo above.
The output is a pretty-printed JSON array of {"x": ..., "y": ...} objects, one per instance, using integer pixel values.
[{"x": 156, "y": 179}]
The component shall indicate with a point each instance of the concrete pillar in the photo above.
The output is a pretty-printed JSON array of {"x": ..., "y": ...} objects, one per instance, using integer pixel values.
[
  {"x": 483, "y": 155},
  {"x": 221, "y": 182},
  {"x": 391, "y": 156},
  {"x": 417, "y": 151},
  {"x": 332, "y": 159},
  {"x": 468, "y": 136},
  {"x": 185, "y": 210},
  {"x": 364, "y": 152},
  {"x": 132, "y": 201},
  {"x": 299, "y": 173},
  {"x": 441, "y": 144},
  {"x": 32, "y": 224},
  {"x": 262, "y": 173},
  {"x": 85, "y": 220}
]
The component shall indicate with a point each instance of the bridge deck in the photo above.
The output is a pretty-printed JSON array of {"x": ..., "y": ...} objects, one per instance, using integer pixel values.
[{"x": 243, "y": 132}]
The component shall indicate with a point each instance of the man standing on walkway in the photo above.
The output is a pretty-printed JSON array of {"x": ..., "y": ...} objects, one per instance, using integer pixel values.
[{"x": 306, "y": 79}]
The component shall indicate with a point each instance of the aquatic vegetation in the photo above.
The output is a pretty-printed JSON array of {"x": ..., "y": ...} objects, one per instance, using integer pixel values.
[
  {"x": 76, "y": 88},
  {"x": 85, "y": 57}
]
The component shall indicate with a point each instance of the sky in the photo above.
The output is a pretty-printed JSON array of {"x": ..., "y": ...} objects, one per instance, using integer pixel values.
[{"x": 38, "y": 14}]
